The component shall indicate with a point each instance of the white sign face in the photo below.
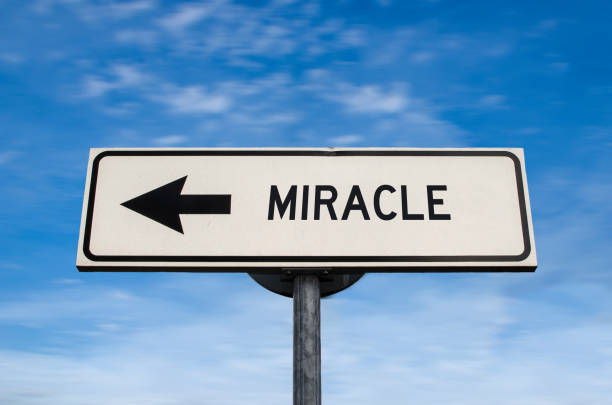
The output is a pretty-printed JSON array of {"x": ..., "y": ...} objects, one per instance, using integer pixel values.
[{"x": 260, "y": 210}]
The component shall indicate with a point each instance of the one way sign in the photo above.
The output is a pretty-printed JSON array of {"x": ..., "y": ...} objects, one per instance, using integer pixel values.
[{"x": 263, "y": 210}]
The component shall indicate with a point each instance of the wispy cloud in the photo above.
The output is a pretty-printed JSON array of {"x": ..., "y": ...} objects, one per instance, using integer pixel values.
[
  {"x": 119, "y": 77},
  {"x": 193, "y": 99},
  {"x": 187, "y": 15},
  {"x": 543, "y": 27},
  {"x": 391, "y": 111},
  {"x": 242, "y": 101},
  {"x": 438, "y": 341},
  {"x": 423, "y": 56},
  {"x": 92, "y": 11},
  {"x": 118, "y": 325},
  {"x": 492, "y": 101},
  {"x": 240, "y": 34},
  {"x": 370, "y": 99},
  {"x": 127, "y": 9},
  {"x": 139, "y": 37},
  {"x": 422, "y": 43},
  {"x": 11, "y": 58},
  {"x": 170, "y": 140},
  {"x": 7, "y": 156},
  {"x": 68, "y": 281},
  {"x": 346, "y": 140}
]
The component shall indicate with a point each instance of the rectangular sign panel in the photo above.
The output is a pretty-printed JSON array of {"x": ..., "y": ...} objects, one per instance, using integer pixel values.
[{"x": 260, "y": 210}]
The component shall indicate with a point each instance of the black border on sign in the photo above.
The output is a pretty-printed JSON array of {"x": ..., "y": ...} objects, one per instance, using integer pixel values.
[{"x": 308, "y": 259}]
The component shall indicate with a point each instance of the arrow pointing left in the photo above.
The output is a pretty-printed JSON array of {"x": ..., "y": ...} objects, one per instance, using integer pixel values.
[{"x": 165, "y": 203}]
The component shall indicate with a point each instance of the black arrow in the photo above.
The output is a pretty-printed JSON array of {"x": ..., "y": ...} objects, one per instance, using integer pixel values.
[{"x": 165, "y": 203}]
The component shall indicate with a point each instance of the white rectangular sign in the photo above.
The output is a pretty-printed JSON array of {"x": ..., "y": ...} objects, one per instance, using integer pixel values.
[{"x": 260, "y": 210}]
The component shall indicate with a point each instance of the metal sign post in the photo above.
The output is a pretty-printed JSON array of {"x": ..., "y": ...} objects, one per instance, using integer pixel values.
[
  {"x": 306, "y": 340},
  {"x": 307, "y": 287}
]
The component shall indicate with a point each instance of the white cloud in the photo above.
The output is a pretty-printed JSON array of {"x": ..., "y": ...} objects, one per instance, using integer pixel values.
[
  {"x": 263, "y": 119},
  {"x": 7, "y": 156},
  {"x": 127, "y": 9},
  {"x": 11, "y": 58},
  {"x": 94, "y": 86},
  {"x": 370, "y": 99},
  {"x": 268, "y": 102},
  {"x": 422, "y": 56},
  {"x": 44, "y": 6},
  {"x": 104, "y": 350},
  {"x": 138, "y": 37},
  {"x": 419, "y": 127},
  {"x": 238, "y": 33},
  {"x": 170, "y": 140},
  {"x": 389, "y": 112},
  {"x": 90, "y": 11},
  {"x": 187, "y": 15},
  {"x": 182, "y": 341},
  {"x": 10, "y": 266},
  {"x": 352, "y": 37},
  {"x": 193, "y": 100},
  {"x": 424, "y": 42},
  {"x": 121, "y": 77},
  {"x": 493, "y": 101},
  {"x": 68, "y": 281},
  {"x": 260, "y": 102},
  {"x": 543, "y": 27},
  {"x": 128, "y": 75},
  {"x": 345, "y": 140},
  {"x": 120, "y": 108}
]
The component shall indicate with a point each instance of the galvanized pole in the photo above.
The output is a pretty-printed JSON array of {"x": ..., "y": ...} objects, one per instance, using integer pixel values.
[{"x": 306, "y": 340}]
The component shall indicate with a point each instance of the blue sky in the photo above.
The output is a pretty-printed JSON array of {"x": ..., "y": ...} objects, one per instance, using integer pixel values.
[{"x": 76, "y": 74}]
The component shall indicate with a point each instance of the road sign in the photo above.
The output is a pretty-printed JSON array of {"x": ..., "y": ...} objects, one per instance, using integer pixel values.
[{"x": 260, "y": 210}]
